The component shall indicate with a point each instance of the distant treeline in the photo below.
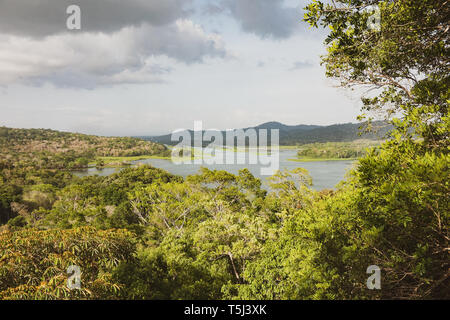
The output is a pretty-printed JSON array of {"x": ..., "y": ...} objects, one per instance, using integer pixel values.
[{"x": 336, "y": 150}]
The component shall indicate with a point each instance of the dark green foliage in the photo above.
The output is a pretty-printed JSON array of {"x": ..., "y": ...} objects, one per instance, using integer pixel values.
[
  {"x": 9, "y": 193},
  {"x": 18, "y": 221},
  {"x": 217, "y": 235}
]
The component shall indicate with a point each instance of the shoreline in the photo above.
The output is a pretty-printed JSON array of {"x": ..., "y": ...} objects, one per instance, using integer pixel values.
[
  {"x": 115, "y": 162},
  {"x": 121, "y": 162}
]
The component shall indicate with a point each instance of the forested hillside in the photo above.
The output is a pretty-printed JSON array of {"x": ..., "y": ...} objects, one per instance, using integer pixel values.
[
  {"x": 336, "y": 133},
  {"x": 51, "y": 149},
  {"x": 304, "y": 134}
]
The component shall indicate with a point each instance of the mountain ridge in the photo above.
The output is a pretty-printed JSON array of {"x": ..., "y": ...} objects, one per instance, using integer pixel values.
[{"x": 304, "y": 134}]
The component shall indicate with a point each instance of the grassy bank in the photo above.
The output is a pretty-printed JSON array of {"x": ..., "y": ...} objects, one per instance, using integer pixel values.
[{"x": 122, "y": 161}]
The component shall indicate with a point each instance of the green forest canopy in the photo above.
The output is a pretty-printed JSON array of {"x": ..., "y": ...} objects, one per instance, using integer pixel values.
[{"x": 216, "y": 235}]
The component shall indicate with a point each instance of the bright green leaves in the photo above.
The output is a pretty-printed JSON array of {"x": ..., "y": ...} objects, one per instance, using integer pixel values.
[
  {"x": 405, "y": 61},
  {"x": 402, "y": 200}
]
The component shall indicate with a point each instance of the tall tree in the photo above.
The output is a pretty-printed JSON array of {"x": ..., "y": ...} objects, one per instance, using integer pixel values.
[{"x": 399, "y": 51}]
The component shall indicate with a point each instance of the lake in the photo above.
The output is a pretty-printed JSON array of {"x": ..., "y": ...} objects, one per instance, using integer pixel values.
[{"x": 325, "y": 174}]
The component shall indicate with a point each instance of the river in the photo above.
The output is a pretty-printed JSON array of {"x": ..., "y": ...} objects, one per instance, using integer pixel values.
[{"x": 325, "y": 174}]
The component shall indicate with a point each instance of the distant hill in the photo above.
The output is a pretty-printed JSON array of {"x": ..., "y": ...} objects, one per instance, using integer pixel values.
[
  {"x": 335, "y": 133},
  {"x": 304, "y": 134},
  {"x": 283, "y": 127},
  {"x": 45, "y": 148}
]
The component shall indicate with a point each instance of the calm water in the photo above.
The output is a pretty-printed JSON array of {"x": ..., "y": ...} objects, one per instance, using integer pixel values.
[{"x": 325, "y": 174}]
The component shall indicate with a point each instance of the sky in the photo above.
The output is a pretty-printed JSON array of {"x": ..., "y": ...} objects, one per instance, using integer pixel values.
[{"x": 148, "y": 67}]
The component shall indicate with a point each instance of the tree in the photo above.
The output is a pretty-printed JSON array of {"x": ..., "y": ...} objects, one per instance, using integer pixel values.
[
  {"x": 404, "y": 62},
  {"x": 394, "y": 209},
  {"x": 33, "y": 264},
  {"x": 9, "y": 193}
]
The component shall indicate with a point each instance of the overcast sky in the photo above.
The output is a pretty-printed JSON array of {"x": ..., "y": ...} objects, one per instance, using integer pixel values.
[{"x": 142, "y": 67}]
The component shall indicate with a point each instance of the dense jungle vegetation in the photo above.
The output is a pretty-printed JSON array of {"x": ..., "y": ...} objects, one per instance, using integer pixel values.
[{"x": 143, "y": 233}]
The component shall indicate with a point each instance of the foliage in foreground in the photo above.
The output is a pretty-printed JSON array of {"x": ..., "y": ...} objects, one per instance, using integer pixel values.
[
  {"x": 33, "y": 264},
  {"x": 393, "y": 213},
  {"x": 216, "y": 235}
]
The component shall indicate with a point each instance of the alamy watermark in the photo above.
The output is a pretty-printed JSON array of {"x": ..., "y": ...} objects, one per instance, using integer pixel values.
[
  {"x": 73, "y": 21},
  {"x": 374, "y": 281},
  {"x": 74, "y": 279},
  {"x": 374, "y": 21},
  {"x": 215, "y": 147}
]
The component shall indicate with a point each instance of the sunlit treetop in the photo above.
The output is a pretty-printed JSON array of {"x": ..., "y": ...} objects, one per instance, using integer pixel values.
[{"x": 399, "y": 51}]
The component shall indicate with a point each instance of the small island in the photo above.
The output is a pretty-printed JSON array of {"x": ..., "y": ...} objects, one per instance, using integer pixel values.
[{"x": 335, "y": 151}]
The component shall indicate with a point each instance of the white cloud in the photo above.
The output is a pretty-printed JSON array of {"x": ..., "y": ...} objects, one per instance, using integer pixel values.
[
  {"x": 130, "y": 55},
  {"x": 162, "y": 41}
]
